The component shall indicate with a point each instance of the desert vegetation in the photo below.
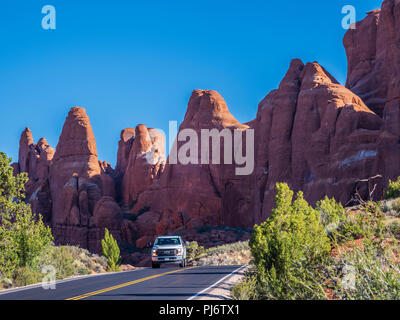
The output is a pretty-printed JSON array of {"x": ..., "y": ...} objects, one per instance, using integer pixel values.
[
  {"x": 26, "y": 244},
  {"x": 111, "y": 252},
  {"x": 326, "y": 251},
  {"x": 68, "y": 261},
  {"x": 237, "y": 253}
]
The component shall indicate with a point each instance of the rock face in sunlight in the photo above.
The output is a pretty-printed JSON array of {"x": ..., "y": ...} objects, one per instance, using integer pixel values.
[
  {"x": 35, "y": 159},
  {"x": 70, "y": 187},
  {"x": 314, "y": 134},
  {"x": 320, "y": 137},
  {"x": 363, "y": 76},
  {"x": 144, "y": 164},
  {"x": 193, "y": 195},
  {"x": 75, "y": 159},
  {"x": 374, "y": 74}
]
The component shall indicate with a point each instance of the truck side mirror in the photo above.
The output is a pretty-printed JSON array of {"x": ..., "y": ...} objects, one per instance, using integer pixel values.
[
  {"x": 150, "y": 244},
  {"x": 187, "y": 243}
]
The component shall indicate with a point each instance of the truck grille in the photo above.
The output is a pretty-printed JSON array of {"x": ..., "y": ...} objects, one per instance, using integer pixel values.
[{"x": 166, "y": 252}]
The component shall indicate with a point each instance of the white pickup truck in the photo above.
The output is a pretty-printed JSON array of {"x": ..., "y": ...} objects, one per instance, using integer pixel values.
[{"x": 169, "y": 249}]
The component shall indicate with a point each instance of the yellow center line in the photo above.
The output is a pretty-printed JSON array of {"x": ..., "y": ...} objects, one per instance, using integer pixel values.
[{"x": 86, "y": 295}]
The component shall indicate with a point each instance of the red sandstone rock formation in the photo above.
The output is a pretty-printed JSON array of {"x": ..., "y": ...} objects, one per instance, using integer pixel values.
[
  {"x": 124, "y": 149},
  {"x": 82, "y": 188},
  {"x": 76, "y": 192},
  {"x": 75, "y": 157},
  {"x": 363, "y": 76},
  {"x": 145, "y": 163},
  {"x": 72, "y": 189},
  {"x": 35, "y": 159},
  {"x": 373, "y": 73},
  {"x": 193, "y": 195},
  {"x": 313, "y": 133}
]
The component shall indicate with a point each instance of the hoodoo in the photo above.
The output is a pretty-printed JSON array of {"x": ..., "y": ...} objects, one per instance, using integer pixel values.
[{"x": 315, "y": 134}]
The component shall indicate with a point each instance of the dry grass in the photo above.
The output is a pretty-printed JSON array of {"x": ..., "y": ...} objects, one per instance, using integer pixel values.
[{"x": 230, "y": 254}]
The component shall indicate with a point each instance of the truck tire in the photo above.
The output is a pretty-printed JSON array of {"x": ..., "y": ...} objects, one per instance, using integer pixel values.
[
  {"x": 183, "y": 263},
  {"x": 155, "y": 265}
]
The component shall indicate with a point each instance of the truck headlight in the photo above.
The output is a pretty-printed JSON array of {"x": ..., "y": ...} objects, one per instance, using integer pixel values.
[
  {"x": 154, "y": 252},
  {"x": 179, "y": 252}
]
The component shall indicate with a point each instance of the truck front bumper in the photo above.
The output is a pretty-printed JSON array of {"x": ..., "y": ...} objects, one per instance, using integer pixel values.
[{"x": 164, "y": 259}]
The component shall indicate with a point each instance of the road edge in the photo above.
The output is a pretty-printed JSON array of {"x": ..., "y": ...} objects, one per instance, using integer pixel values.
[{"x": 217, "y": 284}]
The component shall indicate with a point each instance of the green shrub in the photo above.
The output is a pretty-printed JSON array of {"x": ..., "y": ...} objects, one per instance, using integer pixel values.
[
  {"x": 345, "y": 225},
  {"x": 289, "y": 266},
  {"x": 394, "y": 229},
  {"x": 194, "y": 251},
  {"x": 70, "y": 260},
  {"x": 393, "y": 189},
  {"x": 331, "y": 213},
  {"x": 391, "y": 207},
  {"x": 247, "y": 289},
  {"x": 292, "y": 234},
  {"x": 23, "y": 235},
  {"x": 83, "y": 271},
  {"x": 305, "y": 282},
  {"x": 368, "y": 272},
  {"x": 288, "y": 246},
  {"x": 111, "y": 252},
  {"x": 30, "y": 237},
  {"x": 24, "y": 276},
  {"x": 364, "y": 222},
  {"x": 61, "y": 259}
]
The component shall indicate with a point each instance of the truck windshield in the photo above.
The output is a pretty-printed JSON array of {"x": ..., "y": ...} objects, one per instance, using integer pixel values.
[{"x": 167, "y": 241}]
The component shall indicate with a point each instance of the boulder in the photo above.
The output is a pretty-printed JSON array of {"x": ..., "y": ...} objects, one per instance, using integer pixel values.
[{"x": 107, "y": 214}]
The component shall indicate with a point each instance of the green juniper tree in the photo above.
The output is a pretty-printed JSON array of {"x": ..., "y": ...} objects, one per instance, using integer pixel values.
[
  {"x": 23, "y": 235},
  {"x": 393, "y": 189},
  {"x": 111, "y": 251},
  {"x": 287, "y": 245}
]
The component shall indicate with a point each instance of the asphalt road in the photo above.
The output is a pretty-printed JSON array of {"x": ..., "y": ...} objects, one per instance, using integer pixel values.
[{"x": 166, "y": 283}]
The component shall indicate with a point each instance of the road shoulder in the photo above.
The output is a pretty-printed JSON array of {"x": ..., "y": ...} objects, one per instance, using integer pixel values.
[{"x": 222, "y": 291}]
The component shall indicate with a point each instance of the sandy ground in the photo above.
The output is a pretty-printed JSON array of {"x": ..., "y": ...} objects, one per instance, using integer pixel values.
[{"x": 223, "y": 290}]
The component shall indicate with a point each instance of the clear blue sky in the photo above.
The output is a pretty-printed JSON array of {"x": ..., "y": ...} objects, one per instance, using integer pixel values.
[{"x": 130, "y": 62}]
